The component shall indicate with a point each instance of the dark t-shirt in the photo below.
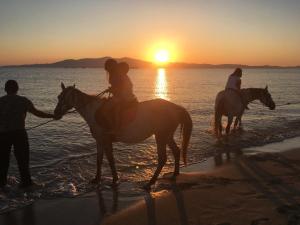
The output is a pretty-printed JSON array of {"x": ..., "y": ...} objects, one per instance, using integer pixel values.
[
  {"x": 13, "y": 109},
  {"x": 122, "y": 88}
]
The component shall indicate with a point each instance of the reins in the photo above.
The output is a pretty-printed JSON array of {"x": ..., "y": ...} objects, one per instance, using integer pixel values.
[
  {"x": 284, "y": 104},
  {"x": 73, "y": 111}
]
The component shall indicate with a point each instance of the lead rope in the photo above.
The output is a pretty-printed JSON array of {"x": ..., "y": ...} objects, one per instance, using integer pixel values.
[{"x": 73, "y": 111}]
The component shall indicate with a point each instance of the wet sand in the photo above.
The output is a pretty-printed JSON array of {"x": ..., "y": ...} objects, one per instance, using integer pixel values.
[{"x": 260, "y": 188}]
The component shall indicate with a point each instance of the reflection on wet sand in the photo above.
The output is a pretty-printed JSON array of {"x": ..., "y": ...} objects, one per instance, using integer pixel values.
[
  {"x": 103, "y": 206},
  {"x": 86, "y": 209},
  {"x": 161, "y": 84},
  {"x": 25, "y": 217}
]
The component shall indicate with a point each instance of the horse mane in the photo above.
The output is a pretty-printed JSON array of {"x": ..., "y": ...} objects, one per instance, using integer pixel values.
[
  {"x": 86, "y": 98},
  {"x": 255, "y": 92}
]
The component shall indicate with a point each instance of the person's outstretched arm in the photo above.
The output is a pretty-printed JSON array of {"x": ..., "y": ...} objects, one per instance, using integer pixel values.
[{"x": 39, "y": 113}]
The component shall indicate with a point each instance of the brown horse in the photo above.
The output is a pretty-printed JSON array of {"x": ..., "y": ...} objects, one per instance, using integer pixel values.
[
  {"x": 229, "y": 103},
  {"x": 156, "y": 117}
]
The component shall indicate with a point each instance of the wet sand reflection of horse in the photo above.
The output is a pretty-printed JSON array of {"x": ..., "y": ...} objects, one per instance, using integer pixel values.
[{"x": 156, "y": 117}]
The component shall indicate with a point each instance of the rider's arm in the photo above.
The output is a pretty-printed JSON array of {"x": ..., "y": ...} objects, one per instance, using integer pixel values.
[
  {"x": 239, "y": 83},
  {"x": 37, "y": 112}
]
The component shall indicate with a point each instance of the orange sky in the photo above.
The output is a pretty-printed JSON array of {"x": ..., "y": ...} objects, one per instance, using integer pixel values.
[{"x": 232, "y": 31}]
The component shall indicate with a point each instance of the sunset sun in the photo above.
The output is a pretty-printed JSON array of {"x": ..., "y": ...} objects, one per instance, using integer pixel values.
[{"x": 162, "y": 56}]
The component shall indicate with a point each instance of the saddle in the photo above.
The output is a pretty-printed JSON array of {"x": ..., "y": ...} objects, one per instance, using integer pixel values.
[
  {"x": 239, "y": 93},
  {"x": 104, "y": 115}
]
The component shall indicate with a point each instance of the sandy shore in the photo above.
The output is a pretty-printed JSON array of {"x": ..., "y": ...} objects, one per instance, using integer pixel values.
[
  {"x": 257, "y": 189},
  {"x": 252, "y": 189}
]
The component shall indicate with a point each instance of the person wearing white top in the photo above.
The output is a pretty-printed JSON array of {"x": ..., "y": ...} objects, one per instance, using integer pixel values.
[{"x": 234, "y": 83}]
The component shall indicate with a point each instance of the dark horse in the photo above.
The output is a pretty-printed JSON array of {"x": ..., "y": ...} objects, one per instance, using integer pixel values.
[
  {"x": 228, "y": 103},
  {"x": 155, "y": 117}
]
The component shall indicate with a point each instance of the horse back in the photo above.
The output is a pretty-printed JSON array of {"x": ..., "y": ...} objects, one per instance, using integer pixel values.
[
  {"x": 151, "y": 117},
  {"x": 230, "y": 101}
]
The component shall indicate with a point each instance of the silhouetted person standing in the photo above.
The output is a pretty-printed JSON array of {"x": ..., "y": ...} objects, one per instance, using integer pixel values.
[{"x": 13, "y": 109}]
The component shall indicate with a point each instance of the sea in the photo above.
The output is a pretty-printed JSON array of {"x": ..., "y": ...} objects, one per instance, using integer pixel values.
[{"x": 63, "y": 153}]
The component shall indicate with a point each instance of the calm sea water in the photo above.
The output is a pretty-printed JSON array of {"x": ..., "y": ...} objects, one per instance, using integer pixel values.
[{"x": 63, "y": 152}]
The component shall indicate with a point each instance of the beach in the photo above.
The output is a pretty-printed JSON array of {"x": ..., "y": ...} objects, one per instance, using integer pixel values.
[
  {"x": 251, "y": 186},
  {"x": 149, "y": 112}
]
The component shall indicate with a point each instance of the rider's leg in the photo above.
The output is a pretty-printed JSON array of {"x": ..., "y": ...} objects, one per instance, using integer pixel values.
[{"x": 245, "y": 104}]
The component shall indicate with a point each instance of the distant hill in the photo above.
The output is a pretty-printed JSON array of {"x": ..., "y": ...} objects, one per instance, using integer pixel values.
[
  {"x": 224, "y": 66},
  {"x": 88, "y": 63},
  {"x": 136, "y": 63}
]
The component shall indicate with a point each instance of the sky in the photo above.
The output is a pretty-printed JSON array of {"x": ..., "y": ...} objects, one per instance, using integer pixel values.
[{"x": 256, "y": 32}]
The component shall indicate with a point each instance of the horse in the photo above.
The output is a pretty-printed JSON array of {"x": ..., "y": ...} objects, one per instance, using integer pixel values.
[
  {"x": 229, "y": 103},
  {"x": 156, "y": 117}
]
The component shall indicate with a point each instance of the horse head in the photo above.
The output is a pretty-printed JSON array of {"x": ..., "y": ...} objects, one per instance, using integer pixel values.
[
  {"x": 266, "y": 98},
  {"x": 65, "y": 101}
]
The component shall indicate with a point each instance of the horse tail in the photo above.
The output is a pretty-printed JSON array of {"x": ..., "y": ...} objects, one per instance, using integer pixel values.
[
  {"x": 186, "y": 131},
  {"x": 218, "y": 116}
]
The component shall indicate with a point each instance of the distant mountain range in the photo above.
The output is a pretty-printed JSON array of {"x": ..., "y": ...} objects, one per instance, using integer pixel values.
[{"x": 136, "y": 63}]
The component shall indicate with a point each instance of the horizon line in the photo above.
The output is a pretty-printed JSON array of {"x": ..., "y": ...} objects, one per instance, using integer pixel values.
[{"x": 152, "y": 63}]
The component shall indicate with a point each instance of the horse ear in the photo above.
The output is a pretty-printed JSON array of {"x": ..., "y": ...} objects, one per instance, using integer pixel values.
[
  {"x": 266, "y": 88},
  {"x": 74, "y": 85},
  {"x": 62, "y": 86}
]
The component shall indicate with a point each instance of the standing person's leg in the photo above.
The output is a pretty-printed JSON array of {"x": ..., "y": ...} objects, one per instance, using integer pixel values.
[
  {"x": 21, "y": 150},
  {"x": 5, "y": 147}
]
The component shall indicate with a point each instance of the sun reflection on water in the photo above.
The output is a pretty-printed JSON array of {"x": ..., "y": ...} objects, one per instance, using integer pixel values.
[{"x": 161, "y": 84}]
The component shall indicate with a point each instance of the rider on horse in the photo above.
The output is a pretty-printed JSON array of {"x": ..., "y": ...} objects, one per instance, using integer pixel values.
[
  {"x": 121, "y": 90},
  {"x": 234, "y": 83}
]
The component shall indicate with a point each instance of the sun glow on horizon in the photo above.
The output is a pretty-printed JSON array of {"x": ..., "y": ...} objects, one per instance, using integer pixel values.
[
  {"x": 162, "y": 52},
  {"x": 162, "y": 56}
]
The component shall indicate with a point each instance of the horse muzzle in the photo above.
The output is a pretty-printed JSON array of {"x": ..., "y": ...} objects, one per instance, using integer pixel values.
[
  {"x": 58, "y": 114},
  {"x": 272, "y": 107}
]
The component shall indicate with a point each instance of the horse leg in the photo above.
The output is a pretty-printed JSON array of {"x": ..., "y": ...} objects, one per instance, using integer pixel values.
[
  {"x": 220, "y": 127},
  {"x": 111, "y": 161},
  {"x": 176, "y": 152},
  {"x": 162, "y": 158},
  {"x": 97, "y": 178},
  {"x": 230, "y": 119},
  {"x": 236, "y": 122}
]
